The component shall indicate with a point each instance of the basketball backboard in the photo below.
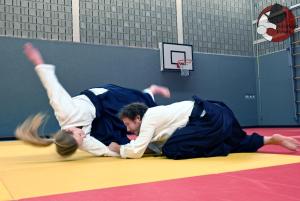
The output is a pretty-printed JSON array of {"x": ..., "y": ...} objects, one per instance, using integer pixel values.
[{"x": 171, "y": 53}]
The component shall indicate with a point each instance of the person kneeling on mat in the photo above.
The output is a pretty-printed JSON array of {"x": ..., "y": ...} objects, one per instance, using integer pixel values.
[{"x": 190, "y": 129}]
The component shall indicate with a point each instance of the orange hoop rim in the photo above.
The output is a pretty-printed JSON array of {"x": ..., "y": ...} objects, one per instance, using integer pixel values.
[{"x": 183, "y": 62}]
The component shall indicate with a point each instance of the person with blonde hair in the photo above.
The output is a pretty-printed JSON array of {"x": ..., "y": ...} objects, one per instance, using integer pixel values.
[{"x": 88, "y": 121}]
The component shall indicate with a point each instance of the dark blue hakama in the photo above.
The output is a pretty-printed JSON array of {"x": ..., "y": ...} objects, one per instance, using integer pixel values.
[
  {"x": 107, "y": 127},
  {"x": 218, "y": 133}
]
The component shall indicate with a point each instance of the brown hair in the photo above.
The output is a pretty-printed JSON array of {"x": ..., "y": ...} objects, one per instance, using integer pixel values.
[
  {"x": 65, "y": 143},
  {"x": 131, "y": 111}
]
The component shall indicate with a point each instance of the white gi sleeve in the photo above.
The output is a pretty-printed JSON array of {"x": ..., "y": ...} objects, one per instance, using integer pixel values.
[
  {"x": 148, "y": 91},
  {"x": 137, "y": 147},
  {"x": 59, "y": 98},
  {"x": 95, "y": 147}
]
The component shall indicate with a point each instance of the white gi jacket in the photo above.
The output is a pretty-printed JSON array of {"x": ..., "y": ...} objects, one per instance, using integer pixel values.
[
  {"x": 158, "y": 124},
  {"x": 73, "y": 111}
]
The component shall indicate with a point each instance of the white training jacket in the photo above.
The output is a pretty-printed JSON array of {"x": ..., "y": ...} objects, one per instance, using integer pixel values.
[
  {"x": 73, "y": 111},
  {"x": 158, "y": 124}
]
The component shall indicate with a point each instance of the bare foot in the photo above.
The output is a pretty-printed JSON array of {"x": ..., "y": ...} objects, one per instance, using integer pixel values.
[
  {"x": 284, "y": 141},
  {"x": 163, "y": 91}
]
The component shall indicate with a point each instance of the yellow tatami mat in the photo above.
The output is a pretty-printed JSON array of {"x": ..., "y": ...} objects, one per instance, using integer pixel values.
[
  {"x": 4, "y": 194},
  {"x": 27, "y": 171}
]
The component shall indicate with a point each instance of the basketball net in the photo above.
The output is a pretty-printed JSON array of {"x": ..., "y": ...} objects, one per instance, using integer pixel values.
[{"x": 183, "y": 66}]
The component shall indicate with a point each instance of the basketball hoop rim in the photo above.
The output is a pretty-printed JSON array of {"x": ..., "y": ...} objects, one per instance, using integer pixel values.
[{"x": 182, "y": 62}]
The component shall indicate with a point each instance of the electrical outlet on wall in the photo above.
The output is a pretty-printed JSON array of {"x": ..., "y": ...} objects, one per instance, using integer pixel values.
[{"x": 250, "y": 96}]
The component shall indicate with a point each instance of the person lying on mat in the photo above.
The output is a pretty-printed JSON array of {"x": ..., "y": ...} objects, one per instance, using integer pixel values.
[
  {"x": 88, "y": 121},
  {"x": 190, "y": 129}
]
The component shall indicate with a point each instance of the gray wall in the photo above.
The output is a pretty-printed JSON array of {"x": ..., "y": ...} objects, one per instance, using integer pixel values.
[
  {"x": 274, "y": 73},
  {"x": 81, "y": 66},
  {"x": 275, "y": 88}
]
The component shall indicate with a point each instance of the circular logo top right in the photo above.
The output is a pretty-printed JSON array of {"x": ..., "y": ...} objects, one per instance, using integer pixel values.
[{"x": 276, "y": 23}]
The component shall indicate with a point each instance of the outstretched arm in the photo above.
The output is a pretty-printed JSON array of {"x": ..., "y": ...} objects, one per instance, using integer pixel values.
[
  {"x": 59, "y": 98},
  {"x": 97, "y": 148},
  {"x": 160, "y": 90}
]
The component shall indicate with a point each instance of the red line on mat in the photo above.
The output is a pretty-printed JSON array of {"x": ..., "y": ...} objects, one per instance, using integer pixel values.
[{"x": 273, "y": 183}]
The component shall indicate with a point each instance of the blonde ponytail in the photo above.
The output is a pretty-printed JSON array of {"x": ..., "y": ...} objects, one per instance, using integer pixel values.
[
  {"x": 65, "y": 143},
  {"x": 28, "y": 131}
]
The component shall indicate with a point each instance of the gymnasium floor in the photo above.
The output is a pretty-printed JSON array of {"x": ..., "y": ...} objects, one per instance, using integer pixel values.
[{"x": 30, "y": 173}]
